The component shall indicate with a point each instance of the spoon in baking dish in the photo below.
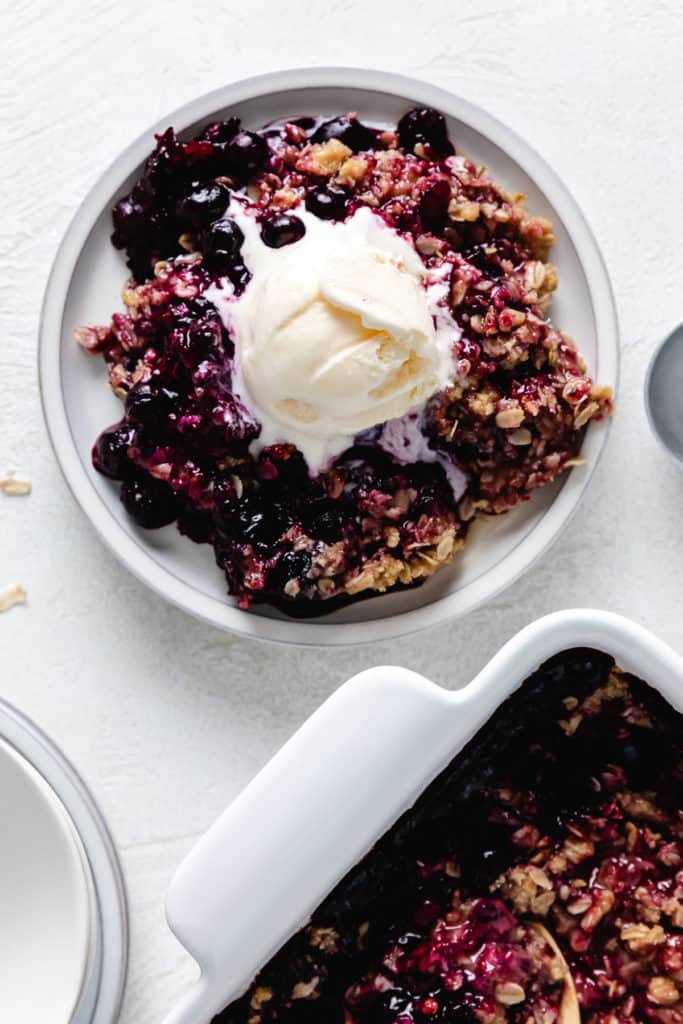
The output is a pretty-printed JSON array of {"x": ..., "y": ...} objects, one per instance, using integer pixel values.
[{"x": 569, "y": 1004}]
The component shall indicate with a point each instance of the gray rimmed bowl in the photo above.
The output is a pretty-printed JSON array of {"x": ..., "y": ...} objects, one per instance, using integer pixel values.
[
  {"x": 664, "y": 394},
  {"x": 85, "y": 285}
]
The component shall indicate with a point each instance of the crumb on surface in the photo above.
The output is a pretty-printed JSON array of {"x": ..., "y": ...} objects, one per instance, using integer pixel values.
[
  {"x": 11, "y": 595},
  {"x": 14, "y": 485}
]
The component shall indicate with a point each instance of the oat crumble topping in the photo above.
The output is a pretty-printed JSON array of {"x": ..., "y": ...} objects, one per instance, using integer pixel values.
[
  {"x": 13, "y": 485},
  {"x": 12, "y": 595}
]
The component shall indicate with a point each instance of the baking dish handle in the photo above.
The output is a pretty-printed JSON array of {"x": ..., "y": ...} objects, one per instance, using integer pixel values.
[
  {"x": 192, "y": 1008},
  {"x": 308, "y": 816}
]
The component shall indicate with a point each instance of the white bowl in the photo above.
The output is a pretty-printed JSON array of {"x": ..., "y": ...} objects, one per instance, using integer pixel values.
[
  {"x": 46, "y": 897},
  {"x": 85, "y": 286},
  {"x": 64, "y": 925},
  {"x": 341, "y": 782}
]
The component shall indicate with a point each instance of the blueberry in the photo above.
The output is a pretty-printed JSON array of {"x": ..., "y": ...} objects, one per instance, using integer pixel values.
[
  {"x": 454, "y": 1011},
  {"x": 221, "y": 244},
  {"x": 434, "y": 206},
  {"x": 110, "y": 451},
  {"x": 204, "y": 204},
  {"x": 312, "y": 1011},
  {"x": 486, "y": 910},
  {"x": 234, "y": 419},
  {"x": 196, "y": 524},
  {"x": 221, "y": 132},
  {"x": 129, "y": 215},
  {"x": 198, "y": 341},
  {"x": 263, "y": 524},
  {"x": 395, "y": 1002},
  {"x": 487, "y": 256},
  {"x": 247, "y": 154},
  {"x": 282, "y": 229},
  {"x": 291, "y": 565},
  {"x": 293, "y": 476},
  {"x": 305, "y": 122},
  {"x": 327, "y": 202},
  {"x": 324, "y": 520},
  {"x": 219, "y": 262},
  {"x": 150, "y": 502},
  {"x": 428, "y": 127},
  {"x": 224, "y": 235},
  {"x": 239, "y": 276},
  {"x": 149, "y": 404},
  {"x": 349, "y": 130}
]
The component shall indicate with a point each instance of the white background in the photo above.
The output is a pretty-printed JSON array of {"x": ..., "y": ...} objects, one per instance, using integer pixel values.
[{"x": 167, "y": 718}]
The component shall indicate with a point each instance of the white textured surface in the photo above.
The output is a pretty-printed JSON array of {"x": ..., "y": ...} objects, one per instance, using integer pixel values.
[{"x": 166, "y": 718}]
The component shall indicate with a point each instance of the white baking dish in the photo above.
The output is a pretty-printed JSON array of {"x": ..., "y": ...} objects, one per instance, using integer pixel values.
[{"x": 342, "y": 780}]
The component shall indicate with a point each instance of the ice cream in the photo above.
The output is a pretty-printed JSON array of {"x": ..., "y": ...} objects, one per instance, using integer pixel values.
[{"x": 334, "y": 333}]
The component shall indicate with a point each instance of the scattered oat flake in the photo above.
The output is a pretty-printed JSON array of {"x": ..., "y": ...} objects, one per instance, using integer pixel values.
[
  {"x": 11, "y": 595},
  {"x": 14, "y": 485}
]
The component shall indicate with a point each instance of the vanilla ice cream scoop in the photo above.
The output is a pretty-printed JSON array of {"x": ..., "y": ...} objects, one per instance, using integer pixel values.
[
  {"x": 333, "y": 333},
  {"x": 335, "y": 345}
]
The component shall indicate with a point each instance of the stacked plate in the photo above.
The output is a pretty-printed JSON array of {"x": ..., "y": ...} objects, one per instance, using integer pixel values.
[{"x": 63, "y": 927}]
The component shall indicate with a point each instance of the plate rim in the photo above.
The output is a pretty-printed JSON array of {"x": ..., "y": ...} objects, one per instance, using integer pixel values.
[{"x": 131, "y": 554}]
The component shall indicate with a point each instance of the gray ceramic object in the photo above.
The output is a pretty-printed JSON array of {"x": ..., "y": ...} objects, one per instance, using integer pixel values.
[{"x": 664, "y": 393}]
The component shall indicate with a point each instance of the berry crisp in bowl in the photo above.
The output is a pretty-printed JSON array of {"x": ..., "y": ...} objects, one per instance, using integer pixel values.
[{"x": 333, "y": 365}]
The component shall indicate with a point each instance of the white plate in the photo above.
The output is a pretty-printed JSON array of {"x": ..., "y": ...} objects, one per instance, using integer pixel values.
[
  {"x": 85, "y": 286},
  {"x": 64, "y": 926},
  {"x": 46, "y": 919},
  {"x": 321, "y": 822}
]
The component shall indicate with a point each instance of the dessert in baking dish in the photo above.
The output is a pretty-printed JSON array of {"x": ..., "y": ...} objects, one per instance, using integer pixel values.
[{"x": 553, "y": 843}]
